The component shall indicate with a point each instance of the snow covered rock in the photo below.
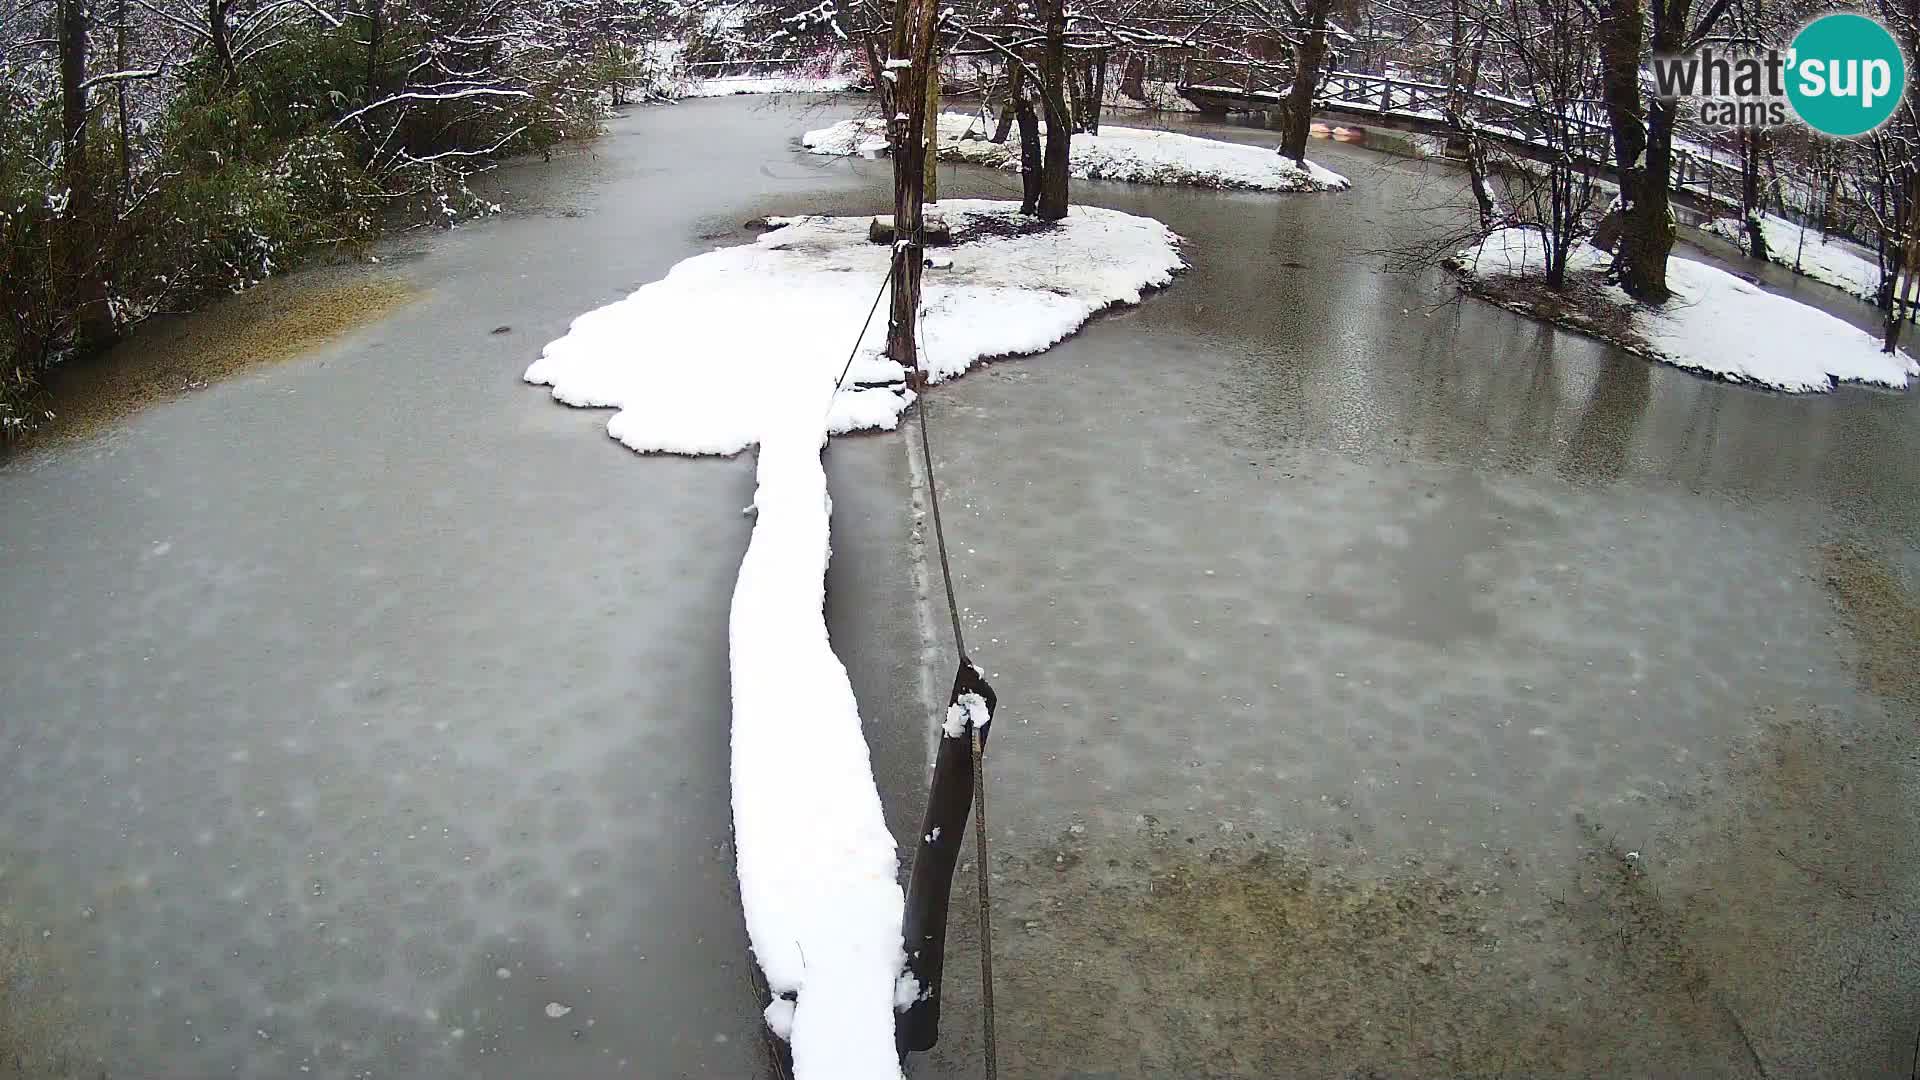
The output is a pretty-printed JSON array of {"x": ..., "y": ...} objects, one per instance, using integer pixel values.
[
  {"x": 742, "y": 346},
  {"x": 1134, "y": 155},
  {"x": 1715, "y": 323}
]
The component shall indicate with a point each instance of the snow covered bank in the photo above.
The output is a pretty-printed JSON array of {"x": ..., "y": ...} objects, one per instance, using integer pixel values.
[
  {"x": 741, "y": 346},
  {"x": 1844, "y": 265},
  {"x": 1715, "y": 323},
  {"x": 1134, "y": 155},
  {"x": 769, "y": 84}
]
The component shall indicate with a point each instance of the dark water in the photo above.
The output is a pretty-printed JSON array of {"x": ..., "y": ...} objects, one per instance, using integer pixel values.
[{"x": 358, "y": 710}]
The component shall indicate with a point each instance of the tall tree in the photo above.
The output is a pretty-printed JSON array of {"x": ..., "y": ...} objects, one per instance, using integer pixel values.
[
  {"x": 80, "y": 225},
  {"x": 1643, "y": 131},
  {"x": 1053, "y": 100},
  {"x": 1309, "y": 58}
]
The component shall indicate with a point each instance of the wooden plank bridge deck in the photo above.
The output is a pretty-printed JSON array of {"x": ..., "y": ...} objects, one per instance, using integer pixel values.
[{"x": 1519, "y": 127}]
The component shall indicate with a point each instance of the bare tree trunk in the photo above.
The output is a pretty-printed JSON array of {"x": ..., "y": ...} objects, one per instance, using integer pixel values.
[
  {"x": 1097, "y": 101},
  {"x": 1053, "y": 169},
  {"x": 1076, "y": 98},
  {"x": 82, "y": 256},
  {"x": 1004, "y": 125},
  {"x": 913, "y": 31},
  {"x": 222, "y": 46},
  {"x": 1908, "y": 259},
  {"x": 1620, "y": 39},
  {"x": 1133, "y": 76},
  {"x": 1750, "y": 191},
  {"x": 376, "y": 30},
  {"x": 932, "y": 81},
  {"x": 1030, "y": 157},
  {"x": 120, "y": 101},
  {"x": 1309, "y": 56}
]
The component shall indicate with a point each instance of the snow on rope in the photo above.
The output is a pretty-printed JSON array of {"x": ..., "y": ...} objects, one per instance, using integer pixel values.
[{"x": 740, "y": 347}]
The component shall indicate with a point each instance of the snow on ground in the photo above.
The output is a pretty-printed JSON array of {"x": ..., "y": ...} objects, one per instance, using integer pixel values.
[
  {"x": 769, "y": 84},
  {"x": 741, "y": 346},
  {"x": 1135, "y": 155},
  {"x": 1718, "y": 323},
  {"x": 1839, "y": 263},
  {"x": 1158, "y": 95}
]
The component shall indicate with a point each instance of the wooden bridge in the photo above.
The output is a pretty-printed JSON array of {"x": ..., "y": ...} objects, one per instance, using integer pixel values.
[{"x": 1523, "y": 128}]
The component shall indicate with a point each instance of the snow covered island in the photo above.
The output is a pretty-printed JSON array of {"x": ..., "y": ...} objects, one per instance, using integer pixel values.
[
  {"x": 1716, "y": 324},
  {"x": 1829, "y": 260},
  {"x": 1133, "y": 155},
  {"x": 741, "y": 347}
]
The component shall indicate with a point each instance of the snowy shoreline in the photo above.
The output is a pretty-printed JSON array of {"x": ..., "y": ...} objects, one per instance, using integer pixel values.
[
  {"x": 1132, "y": 155},
  {"x": 1829, "y": 260},
  {"x": 1716, "y": 324},
  {"x": 741, "y": 347}
]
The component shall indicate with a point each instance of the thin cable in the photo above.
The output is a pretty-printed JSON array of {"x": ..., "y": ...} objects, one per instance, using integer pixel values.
[
  {"x": 986, "y": 911},
  {"x": 979, "y": 748},
  {"x": 933, "y": 491},
  {"x": 855, "y": 351}
]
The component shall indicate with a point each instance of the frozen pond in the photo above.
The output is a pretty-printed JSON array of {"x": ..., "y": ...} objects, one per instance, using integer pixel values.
[{"x": 1389, "y": 686}]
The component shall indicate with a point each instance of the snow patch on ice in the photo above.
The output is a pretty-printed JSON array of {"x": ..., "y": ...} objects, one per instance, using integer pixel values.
[
  {"x": 1717, "y": 323},
  {"x": 733, "y": 342},
  {"x": 1134, "y": 155},
  {"x": 742, "y": 346}
]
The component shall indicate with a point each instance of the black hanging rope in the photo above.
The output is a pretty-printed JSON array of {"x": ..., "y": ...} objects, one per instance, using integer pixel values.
[{"x": 975, "y": 734}]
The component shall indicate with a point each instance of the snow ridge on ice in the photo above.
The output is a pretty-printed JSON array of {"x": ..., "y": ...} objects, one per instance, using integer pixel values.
[{"x": 739, "y": 347}]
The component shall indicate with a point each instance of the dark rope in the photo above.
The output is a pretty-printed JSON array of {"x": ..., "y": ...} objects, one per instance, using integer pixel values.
[
  {"x": 939, "y": 531},
  {"x": 855, "y": 351},
  {"x": 979, "y": 749},
  {"x": 986, "y": 913}
]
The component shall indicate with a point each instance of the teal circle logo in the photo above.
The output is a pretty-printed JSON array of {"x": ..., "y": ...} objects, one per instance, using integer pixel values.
[{"x": 1847, "y": 75}]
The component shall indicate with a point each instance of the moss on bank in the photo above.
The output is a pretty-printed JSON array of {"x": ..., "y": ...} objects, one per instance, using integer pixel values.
[{"x": 169, "y": 358}]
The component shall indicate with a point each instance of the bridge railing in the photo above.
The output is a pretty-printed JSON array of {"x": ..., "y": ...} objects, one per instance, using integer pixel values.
[{"x": 1505, "y": 119}]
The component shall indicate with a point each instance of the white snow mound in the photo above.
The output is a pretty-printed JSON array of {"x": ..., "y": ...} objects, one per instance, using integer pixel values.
[
  {"x": 741, "y": 346},
  {"x": 1719, "y": 324},
  {"x": 1134, "y": 155},
  {"x": 739, "y": 340}
]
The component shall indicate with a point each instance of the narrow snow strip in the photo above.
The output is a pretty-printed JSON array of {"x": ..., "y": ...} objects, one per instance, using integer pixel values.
[
  {"x": 1832, "y": 261},
  {"x": 816, "y": 862},
  {"x": 1719, "y": 324},
  {"x": 739, "y": 347},
  {"x": 768, "y": 84},
  {"x": 1134, "y": 155}
]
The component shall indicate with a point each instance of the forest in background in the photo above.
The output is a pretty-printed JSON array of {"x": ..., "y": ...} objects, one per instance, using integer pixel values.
[{"x": 153, "y": 152}]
